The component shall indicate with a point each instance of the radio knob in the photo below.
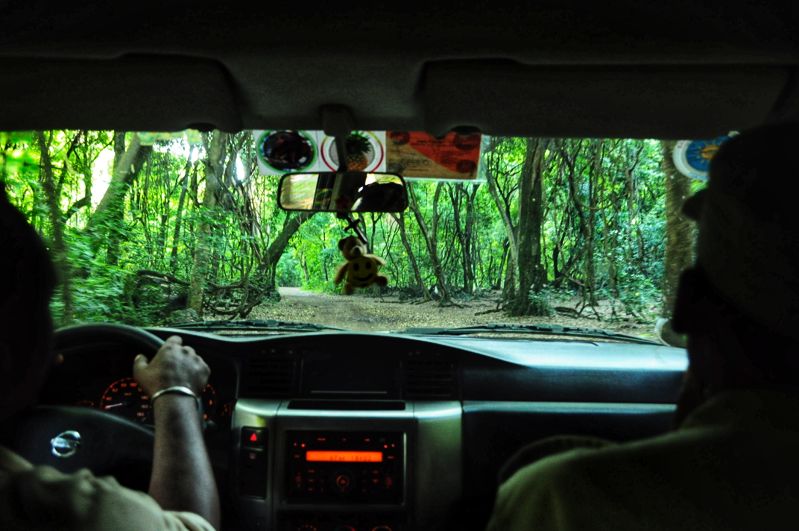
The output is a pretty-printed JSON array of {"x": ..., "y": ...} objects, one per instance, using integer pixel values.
[{"x": 343, "y": 482}]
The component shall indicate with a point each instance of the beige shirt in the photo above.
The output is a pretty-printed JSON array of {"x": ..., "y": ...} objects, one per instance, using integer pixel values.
[
  {"x": 40, "y": 497},
  {"x": 734, "y": 464}
]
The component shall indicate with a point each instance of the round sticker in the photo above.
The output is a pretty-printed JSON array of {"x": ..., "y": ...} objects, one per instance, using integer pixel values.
[
  {"x": 365, "y": 152},
  {"x": 286, "y": 150},
  {"x": 692, "y": 157}
]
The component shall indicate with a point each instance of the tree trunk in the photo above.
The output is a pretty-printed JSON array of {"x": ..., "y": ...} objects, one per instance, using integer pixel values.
[
  {"x": 59, "y": 245},
  {"x": 173, "y": 259},
  {"x": 679, "y": 229},
  {"x": 109, "y": 214},
  {"x": 502, "y": 261},
  {"x": 634, "y": 224},
  {"x": 530, "y": 210},
  {"x": 493, "y": 189},
  {"x": 590, "y": 267},
  {"x": 586, "y": 218},
  {"x": 430, "y": 238},
  {"x": 411, "y": 256},
  {"x": 509, "y": 289},
  {"x": 165, "y": 206},
  {"x": 558, "y": 242},
  {"x": 304, "y": 264},
  {"x": 464, "y": 232},
  {"x": 278, "y": 246},
  {"x": 609, "y": 246},
  {"x": 214, "y": 168},
  {"x": 263, "y": 283},
  {"x": 468, "y": 236}
]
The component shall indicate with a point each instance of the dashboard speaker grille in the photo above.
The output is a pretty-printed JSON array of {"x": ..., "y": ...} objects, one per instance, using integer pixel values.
[
  {"x": 270, "y": 376},
  {"x": 430, "y": 379}
]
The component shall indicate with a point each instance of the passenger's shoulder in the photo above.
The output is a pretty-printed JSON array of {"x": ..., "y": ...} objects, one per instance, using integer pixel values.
[
  {"x": 552, "y": 470},
  {"x": 539, "y": 495},
  {"x": 596, "y": 469},
  {"x": 575, "y": 489}
]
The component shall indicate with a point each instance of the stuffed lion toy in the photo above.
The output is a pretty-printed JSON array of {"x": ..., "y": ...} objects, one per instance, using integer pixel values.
[{"x": 360, "y": 269}]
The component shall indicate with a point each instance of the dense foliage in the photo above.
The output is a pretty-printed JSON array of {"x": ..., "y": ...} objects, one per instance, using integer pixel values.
[{"x": 139, "y": 232}]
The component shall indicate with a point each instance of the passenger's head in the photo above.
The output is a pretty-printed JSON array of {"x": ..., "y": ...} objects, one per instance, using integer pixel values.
[
  {"x": 739, "y": 305},
  {"x": 27, "y": 280}
]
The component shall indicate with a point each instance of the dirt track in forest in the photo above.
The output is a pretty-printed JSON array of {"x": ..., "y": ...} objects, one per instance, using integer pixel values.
[{"x": 369, "y": 313}]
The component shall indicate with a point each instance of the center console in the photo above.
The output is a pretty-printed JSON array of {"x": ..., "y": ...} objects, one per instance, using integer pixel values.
[
  {"x": 345, "y": 467},
  {"x": 338, "y": 466}
]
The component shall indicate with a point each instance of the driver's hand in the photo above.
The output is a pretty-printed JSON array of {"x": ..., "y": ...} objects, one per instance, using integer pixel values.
[{"x": 173, "y": 365}]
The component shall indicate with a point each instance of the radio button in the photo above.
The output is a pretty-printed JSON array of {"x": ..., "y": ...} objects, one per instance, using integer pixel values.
[
  {"x": 343, "y": 482},
  {"x": 252, "y": 473}
]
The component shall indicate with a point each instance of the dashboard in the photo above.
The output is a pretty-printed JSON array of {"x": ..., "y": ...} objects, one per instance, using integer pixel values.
[{"x": 340, "y": 431}]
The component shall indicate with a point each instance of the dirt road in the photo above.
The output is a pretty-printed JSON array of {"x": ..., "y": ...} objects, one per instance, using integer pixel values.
[{"x": 367, "y": 313}]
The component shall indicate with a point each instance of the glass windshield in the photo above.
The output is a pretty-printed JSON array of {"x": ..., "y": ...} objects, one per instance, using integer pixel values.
[{"x": 165, "y": 229}]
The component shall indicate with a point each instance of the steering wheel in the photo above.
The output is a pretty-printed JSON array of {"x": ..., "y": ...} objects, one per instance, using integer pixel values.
[{"x": 69, "y": 438}]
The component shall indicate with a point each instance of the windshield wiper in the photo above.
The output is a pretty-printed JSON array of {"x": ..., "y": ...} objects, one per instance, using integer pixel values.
[
  {"x": 540, "y": 329},
  {"x": 266, "y": 325}
]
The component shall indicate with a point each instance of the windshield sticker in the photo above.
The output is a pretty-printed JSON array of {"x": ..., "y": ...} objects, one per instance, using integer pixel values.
[
  {"x": 412, "y": 154},
  {"x": 420, "y": 155},
  {"x": 366, "y": 151},
  {"x": 692, "y": 157},
  {"x": 285, "y": 151}
]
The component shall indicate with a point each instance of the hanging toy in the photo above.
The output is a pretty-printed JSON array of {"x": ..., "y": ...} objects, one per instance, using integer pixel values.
[{"x": 360, "y": 269}]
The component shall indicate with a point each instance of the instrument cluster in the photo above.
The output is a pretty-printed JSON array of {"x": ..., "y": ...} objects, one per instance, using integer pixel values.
[
  {"x": 126, "y": 398},
  {"x": 96, "y": 378}
]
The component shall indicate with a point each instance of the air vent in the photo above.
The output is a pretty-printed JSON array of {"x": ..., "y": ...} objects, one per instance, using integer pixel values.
[
  {"x": 430, "y": 379},
  {"x": 270, "y": 377}
]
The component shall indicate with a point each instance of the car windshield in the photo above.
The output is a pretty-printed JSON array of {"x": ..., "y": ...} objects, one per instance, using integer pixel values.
[{"x": 184, "y": 228}]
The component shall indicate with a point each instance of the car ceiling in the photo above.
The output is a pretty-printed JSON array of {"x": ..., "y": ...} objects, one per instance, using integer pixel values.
[{"x": 627, "y": 68}]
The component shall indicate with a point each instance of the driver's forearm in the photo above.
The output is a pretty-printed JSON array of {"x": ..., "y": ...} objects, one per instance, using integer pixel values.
[{"x": 182, "y": 478}]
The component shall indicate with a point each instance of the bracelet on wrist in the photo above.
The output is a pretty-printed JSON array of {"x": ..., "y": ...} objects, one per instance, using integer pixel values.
[{"x": 178, "y": 390}]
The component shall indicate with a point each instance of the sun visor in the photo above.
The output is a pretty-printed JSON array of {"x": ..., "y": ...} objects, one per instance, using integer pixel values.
[
  {"x": 130, "y": 93},
  {"x": 509, "y": 98}
]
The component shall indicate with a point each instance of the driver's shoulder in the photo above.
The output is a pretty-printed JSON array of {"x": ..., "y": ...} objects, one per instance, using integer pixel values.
[
  {"x": 30, "y": 493},
  {"x": 41, "y": 497},
  {"x": 10, "y": 462}
]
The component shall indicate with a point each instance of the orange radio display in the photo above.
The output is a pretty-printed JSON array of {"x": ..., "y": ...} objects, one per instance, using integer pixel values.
[{"x": 342, "y": 456}]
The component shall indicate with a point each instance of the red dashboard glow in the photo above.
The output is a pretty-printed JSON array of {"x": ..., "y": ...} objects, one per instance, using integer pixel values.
[{"x": 339, "y": 456}]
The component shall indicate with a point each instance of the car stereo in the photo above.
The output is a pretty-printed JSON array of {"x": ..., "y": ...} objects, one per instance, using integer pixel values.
[{"x": 345, "y": 467}]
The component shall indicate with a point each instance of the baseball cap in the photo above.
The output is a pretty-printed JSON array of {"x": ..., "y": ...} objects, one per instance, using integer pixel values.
[{"x": 748, "y": 243}]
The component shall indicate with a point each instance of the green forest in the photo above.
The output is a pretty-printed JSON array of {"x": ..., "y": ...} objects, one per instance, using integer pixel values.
[{"x": 187, "y": 229}]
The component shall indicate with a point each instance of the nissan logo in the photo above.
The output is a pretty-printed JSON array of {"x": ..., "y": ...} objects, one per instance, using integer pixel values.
[{"x": 65, "y": 444}]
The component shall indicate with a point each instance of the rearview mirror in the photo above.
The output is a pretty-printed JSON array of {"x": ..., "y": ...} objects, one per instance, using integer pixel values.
[{"x": 342, "y": 192}]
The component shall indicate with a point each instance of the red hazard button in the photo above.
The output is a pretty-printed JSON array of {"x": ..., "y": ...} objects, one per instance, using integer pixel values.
[{"x": 253, "y": 437}]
